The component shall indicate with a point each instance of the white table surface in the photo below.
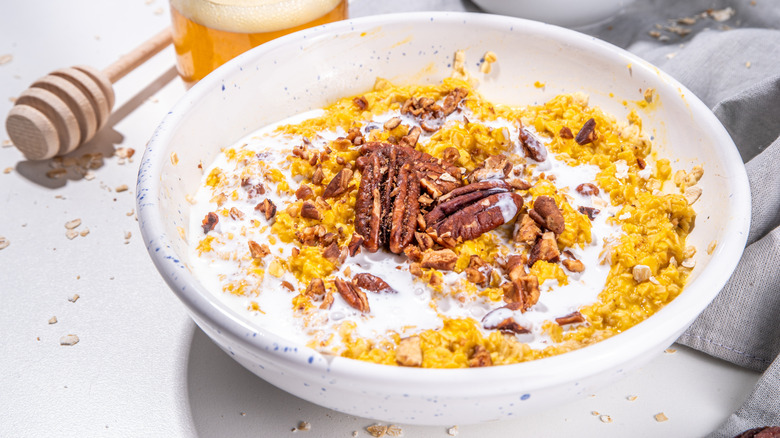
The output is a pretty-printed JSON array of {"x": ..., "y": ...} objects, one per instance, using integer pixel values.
[{"x": 142, "y": 367}]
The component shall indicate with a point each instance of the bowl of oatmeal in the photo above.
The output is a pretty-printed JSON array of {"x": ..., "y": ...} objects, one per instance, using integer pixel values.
[{"x": 404, "y": 218}]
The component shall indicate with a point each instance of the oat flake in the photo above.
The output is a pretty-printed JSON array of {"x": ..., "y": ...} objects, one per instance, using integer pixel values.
[{"x": 69, "y": 340}]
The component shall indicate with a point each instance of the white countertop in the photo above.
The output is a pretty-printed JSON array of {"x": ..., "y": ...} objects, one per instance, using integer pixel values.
[{"x": 142, "y": 367}]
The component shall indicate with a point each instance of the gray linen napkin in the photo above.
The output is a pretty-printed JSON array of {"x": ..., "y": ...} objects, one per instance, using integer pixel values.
[{"x": 734, "y": 66}]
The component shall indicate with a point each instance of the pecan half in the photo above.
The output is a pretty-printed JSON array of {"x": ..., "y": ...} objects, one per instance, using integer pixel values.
[
  {"x": 480, "y": 357},
  {"x": 355, "y": 297},
  {"x": 476, "y": 219},
  {"x": 443, "y": 260},
  {"x": 545, "y": 248},
  {"x": 368, "y": 204},
  {"x": 547, "y": 214},
  {"x": 533, "y": 148},
  {"x": 373, "y": 283},
  {"x": 405, "y": 209},
  {"x": 209, "y": 222},
  {"x": 463, "y": 196},
  {"x": 587, "y": 133},
  {"x": 338, "y": 185},
  {"x": 572, "y": 318}
]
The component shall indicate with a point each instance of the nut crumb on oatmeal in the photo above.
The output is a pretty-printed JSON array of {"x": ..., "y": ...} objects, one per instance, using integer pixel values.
[
  {"x": 69, "y": 340},
  {"x": 660, "y": 417}
]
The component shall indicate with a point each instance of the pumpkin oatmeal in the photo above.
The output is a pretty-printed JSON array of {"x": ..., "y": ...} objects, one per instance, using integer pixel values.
[{"x": 421, "y": 225}]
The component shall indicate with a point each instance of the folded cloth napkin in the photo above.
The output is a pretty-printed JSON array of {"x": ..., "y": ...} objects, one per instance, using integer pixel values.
[{"x": 730, "y": 58}]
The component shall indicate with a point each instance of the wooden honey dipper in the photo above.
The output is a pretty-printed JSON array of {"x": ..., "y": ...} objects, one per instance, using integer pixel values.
[{"x": 64, "y": 109}]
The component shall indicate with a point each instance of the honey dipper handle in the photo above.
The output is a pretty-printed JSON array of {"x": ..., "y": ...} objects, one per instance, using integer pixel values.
[{"x": 138, "y": 56}]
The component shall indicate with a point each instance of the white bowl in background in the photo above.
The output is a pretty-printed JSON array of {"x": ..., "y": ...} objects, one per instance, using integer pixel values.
[
  {"x": 312, "y": 68},
  {"x": 569, "y": 13}
]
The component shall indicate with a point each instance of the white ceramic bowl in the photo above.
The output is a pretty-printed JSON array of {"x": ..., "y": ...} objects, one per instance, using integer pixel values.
[
  {"x": 569, "y": 13},
  {"x": 311, "y": 69}
]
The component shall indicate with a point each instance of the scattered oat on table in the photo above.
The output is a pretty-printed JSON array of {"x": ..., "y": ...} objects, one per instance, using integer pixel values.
[
  {"x": 304, "y": 426},
  {"x": 711, "y": 247},
  {"x": 670, "y": 351},
  {"x": 605, "y": 419},
  {"x": 4, "y": 242},
  {"x": 354, "y": 433},
  {"x": 124, "y": 152},
  {"x": 74, "y": 298},
  {"x": 84, "y": 232},
  {"x": 5, "y": 59},
  {"x": 8, "y": 143},
  {"x": 721, "y": 15},
  {"x": 174, "y": 158},
  {"x": 69, "y": 340},
  {"x": 71, "y": 234},
  {"x": 453, "y": 431},
  {"x": 380, "y": 430},
  {"x": 53, "y": 320},
  {"x": 8, "y": 170},
  {"x": 72, "y": 224},
  {"x": 121, "y": 188},
  {"x": 595, "y": 413},
  {"x": 661, "y": 417},
  {"x": 631, "y": 398},
  {"x": 747, "y": 64}
]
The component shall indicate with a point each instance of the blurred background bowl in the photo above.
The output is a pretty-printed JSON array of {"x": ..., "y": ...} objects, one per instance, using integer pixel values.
[{"x": 567, "y": 13}]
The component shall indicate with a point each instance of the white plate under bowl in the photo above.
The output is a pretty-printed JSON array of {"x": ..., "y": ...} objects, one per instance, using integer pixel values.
[{"x": 313, "y": 68}]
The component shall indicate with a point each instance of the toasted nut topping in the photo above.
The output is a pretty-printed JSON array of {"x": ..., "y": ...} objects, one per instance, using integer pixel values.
[
  {"x": 236, "y": 214},
  {"x": 476, "y": 277},
  {"x": 642, "y": 273},
  {"x": 209, "y": 222},
  {"x": 409, "y": 352},
  {"x": 360, "y": 102},
  {"x": 574, "y": 265},
  {"x": 373, "y": 283},
  {"x": 572, "y": 318},
  {"x": 355, "y": 297},
  {"x": 354, "y": 244},
  {"x": 587, "y": 189},
  {"x": 547, "y": 214},
  {"x": 267, "y": 208},
  {"x": 526, "y": 230},
  {"x": 309, "y": 211},
  {"x": 443, "y": 260},
  {"x": 587, "y": 133},
  {"x": 566, "y": 133},
  {"x": 338, "y": 185},
  {"x": 546, "y": 248},
  {"x": 315, "y": 289},
  {"x": 257, "y": 250},
  {"x": 480, "y": 357},
  {"x": 392, "y": 123},
  {"x": 304, "y": 192}
]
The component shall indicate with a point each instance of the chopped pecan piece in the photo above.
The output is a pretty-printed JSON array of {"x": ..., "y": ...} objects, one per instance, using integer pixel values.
[
  {"x": 590, "y": 212},
  {"x": 431, "y": 124},
  {"x": 526, "y": 230},
  {"x": 409, "y": 352},
  {"x": 304, "y": 192},
  {"x": 354, "y": 244},
  {"x": 392, "y": 123},
  {"x": 494, "y": 167},
  {"x": 236, "y": 214},
  {"x": 315, "y": 289},
  {"x": 209, "y": 222},
  {"x": 355, "y": 297},
  {"x": 317, "y": 176},
  {"x": 327, "y": 300},
  {"x": 533, "y": 148},
  {"x": 414, "y": 254},
  {"x": 572, "y": 318},
  {"x": 640, "y": 163},
  {"x": 287, "y": 285},
  {"x": 452, "y": 100},
  {"x": 587, "y": 189},
  {"x": 451, "y": 155},
  {"x": 547, "y": 214},
  {"x": 338, "y": 185},
  {"x": 574, "y": 265},
  {"x": 566, "y": 133},
  {"x": 410, "y": 139},
  {"x": 443, "y": 260},
  {"x": 267, "y": 208},
  {"x": 476, "y": 219},
  {"x": 360, "y": 102},
  {"x": 373, "y": 283},
  {"x": 525, "y": 291},
  {"x": 332, "y": 252},
  {"x": 480, "y": 357},
  {"x": 424, "y": 241},
  {"x": 415, "y": 268},
  {"x": 309, "y": 211},
  {"x": 587, "y": 133},
  {"x": 257, "y": 250},
  {"x": 546, "y": 248},
  {"x": 476, "y": 276},
  {"x": 510, "y": 325}
]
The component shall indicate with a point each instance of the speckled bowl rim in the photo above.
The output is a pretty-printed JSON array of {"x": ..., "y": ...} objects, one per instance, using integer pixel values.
[{"x": 572, "y": 366}]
